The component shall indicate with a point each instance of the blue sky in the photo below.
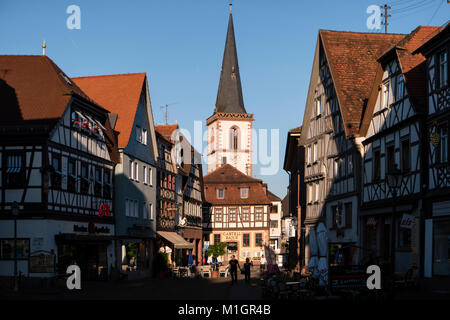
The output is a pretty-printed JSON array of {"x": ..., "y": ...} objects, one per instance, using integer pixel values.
[{"x": 179, "y": 44}]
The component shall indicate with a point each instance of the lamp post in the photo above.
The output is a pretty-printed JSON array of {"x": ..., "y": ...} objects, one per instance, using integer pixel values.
[
  {"x": 15, "y": 212},
  {"x": 394, "y": 181}
]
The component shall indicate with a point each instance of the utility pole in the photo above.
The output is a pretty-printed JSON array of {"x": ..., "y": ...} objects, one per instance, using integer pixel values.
[{"x": 386, "y": 16}]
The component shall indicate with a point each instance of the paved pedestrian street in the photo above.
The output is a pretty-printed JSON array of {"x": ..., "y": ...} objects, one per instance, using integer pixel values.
[{"x": 153, "y": 289}]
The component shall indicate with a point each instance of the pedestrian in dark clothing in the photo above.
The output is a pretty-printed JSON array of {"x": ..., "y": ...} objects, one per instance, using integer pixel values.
[
  {"x": 247, "y": 266},
  {"x": 234, "y": 264}
]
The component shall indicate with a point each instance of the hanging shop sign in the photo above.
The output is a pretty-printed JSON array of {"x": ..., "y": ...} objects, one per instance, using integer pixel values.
[
  {"x": 104, "y": 210},
  {"x": 407, "y": 221}
]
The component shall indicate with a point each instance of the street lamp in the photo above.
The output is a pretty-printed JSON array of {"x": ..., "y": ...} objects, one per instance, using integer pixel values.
[
  {"x": 394, "y": 180},
  {"x": 15, "y": 212}
]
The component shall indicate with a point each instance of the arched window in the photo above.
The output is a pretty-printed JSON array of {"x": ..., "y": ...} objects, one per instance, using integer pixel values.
[{"x": 234, "y": 134}]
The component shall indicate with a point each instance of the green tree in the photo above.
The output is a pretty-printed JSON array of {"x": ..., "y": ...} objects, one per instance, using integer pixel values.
[{"x": 216, "y": 250}]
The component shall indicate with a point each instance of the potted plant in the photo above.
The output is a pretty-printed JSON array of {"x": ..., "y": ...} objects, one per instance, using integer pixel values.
[
  {"x": 161, "y": 264},
  {"x": 216, "y": 250}
]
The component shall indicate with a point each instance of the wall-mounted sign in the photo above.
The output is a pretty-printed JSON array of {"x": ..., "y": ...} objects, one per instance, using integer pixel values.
[
  {"x": 104, "y": 210},
  {"x": 371, "y": 222},
  {"x": 91, "y": 229},
  {"x": 42, "y": 262},
  {"x": 231, "y": 235},
  {"x": 407, "y": 221}
]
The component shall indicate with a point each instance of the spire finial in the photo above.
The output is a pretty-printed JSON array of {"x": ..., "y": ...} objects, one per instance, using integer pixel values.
[
  {"x": 231, "y": 6},
  {"x": 43, "y": 48}
]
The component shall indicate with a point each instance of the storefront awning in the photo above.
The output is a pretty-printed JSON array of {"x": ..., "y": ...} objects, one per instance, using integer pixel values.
[{"x": 177, "y": 240}]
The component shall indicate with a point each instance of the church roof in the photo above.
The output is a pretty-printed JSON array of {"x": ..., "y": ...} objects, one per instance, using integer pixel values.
[{"x": 229, "y": 95}]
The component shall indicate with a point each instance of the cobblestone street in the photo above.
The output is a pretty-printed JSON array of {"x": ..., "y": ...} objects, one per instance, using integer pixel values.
[{"x": 153, "y": 289}]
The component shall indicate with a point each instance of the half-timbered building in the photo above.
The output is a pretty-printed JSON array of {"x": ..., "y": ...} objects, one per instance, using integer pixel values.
[
  {"x": 127, "y": 97},
  {"x": 393, "y": 127},
  {"x": 340, "y": 79},
  {"x": 436, "y": 248},
  {"x": 240, "y": 211},
  {"x": 169, "y": 203},
  {"x": 58, "y": 152},
  {"x": 189, "y": 189}
]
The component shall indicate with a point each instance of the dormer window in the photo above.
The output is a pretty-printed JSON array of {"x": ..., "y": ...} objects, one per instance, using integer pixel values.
[
  {"x": 244, "y": 193},
  {"x": 443, "y": 69},
  {"x": 400, "y": 87},
  {"x": 220, "y": 193}
]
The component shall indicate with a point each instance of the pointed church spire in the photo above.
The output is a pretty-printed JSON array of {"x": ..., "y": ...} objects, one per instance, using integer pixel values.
[{"x": 229, "y": 95}]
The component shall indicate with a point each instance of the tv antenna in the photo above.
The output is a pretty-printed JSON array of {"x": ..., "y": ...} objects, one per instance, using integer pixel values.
[{"x": 167, "y": 110}]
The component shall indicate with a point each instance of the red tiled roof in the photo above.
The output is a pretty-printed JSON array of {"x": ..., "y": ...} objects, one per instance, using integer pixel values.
[
  {"x": 412, "y": 65},
  {"x": 298, "y": 129},
  {"x": 166, "y": 130},
  {"x": 232, "y": 180},
  {"x": 41, "y": 88},
  {"x": 352, "y": 59},
  {"x": 272, "y": 196},
  {"x": 119, "y": 93}
]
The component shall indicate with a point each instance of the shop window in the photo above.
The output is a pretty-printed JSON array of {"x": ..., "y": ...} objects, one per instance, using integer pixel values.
[
  {"x": 258, "y": 240},
  {"x": 246, "y": 240},
  {"x": 56, "y": 175},
  {"x": 7, "y": 249},
  {"x": 14, "y": 175},
  {"x": 441, "y": 247},
  {"x": 404, "y": 238},
  {"x": 71, "y": 175}
]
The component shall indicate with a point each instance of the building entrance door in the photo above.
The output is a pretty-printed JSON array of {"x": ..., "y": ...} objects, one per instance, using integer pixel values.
[{"x": 232, "y": 249}]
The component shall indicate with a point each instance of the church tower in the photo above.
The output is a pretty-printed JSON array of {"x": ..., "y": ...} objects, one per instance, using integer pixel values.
[{"x": 230, "y": 126}]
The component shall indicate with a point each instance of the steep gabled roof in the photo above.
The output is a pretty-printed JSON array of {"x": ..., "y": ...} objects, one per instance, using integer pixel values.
[
  {"x": 412, "y": 67},
  {"x": 352, "y": 59},
  {"x": 120, "y": 93},
  {"x": 229, "y": 96},
  {"x": 40, "y": 88}
]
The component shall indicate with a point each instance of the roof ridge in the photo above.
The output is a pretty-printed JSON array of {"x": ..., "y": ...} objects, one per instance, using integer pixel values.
[
  {"x": 360, "y": 32},
  {"x": 112, "y": 75}
]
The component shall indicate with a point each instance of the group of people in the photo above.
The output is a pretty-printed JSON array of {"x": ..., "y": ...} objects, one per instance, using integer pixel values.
[{"x": 234, "y": 265}]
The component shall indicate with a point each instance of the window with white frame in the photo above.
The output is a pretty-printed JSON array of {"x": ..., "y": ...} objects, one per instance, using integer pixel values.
[
  {"x": 386, "y": 94},
  {"x": 131, "y": 170},
  {"x": 318, "y": 106},
  {"x": 316, "y": 194},
  {"x": 136, "y": 171},
  {"x": 138, "y": 134},
  {"x": 309, "y": 155},
  {"x": 150, "y": 176},
  {"x": 150, "y": 210},
  {"x": 144, "y": 174},
  {"x": 309, "y": 193},
  {"x": 315, "y": 152},
  {"x": 144, "y": 136}
]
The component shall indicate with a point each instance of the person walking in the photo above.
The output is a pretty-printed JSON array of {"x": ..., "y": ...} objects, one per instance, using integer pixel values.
[
  {"x": 263, "y": 263},
  {"x": 234, "y": 265},
  {"x": 247, "y": 266}
]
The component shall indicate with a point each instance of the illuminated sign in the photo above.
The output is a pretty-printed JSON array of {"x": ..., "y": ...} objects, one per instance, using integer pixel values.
[{"x": 104, "y": 211}]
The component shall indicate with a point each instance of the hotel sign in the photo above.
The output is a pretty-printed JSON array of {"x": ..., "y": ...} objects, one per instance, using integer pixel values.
[{"x": 231, "y": 235}]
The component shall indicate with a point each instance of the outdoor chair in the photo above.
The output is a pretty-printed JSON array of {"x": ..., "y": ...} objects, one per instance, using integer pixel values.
[
  {"x": 223, "y": 271},
  {"x": 204, "y": 270}
]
